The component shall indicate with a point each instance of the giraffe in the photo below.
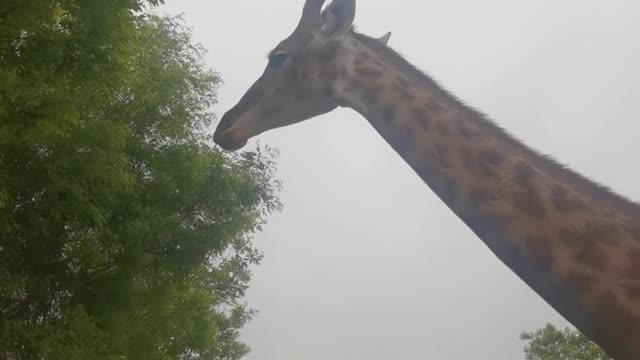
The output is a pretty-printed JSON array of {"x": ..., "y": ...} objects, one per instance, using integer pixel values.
[{"x": 574, "y": 242}]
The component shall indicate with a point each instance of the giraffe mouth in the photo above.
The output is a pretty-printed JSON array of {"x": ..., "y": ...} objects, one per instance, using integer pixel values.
[
  {"x": 228, "y": 135},
  {"x": 229, "y": 140}
]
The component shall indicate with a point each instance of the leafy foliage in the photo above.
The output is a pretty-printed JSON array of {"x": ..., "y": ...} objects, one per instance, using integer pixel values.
[
  {"x": 551, "y": 343},
  {"x": 123, "y": 233}
]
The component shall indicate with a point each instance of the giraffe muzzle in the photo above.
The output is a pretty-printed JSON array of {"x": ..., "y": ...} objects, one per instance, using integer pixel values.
[{"x": 228, "y": 137}]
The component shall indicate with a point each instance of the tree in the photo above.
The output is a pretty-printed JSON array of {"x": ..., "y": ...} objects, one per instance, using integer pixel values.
[
  {"x": 551, "y": 343},
  {"x": 124, "y": 234}
]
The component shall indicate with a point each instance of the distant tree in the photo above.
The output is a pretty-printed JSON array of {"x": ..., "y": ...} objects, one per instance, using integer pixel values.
[
  {"x": 123, "y": 233},
  {"x": 551, "y": 343}
]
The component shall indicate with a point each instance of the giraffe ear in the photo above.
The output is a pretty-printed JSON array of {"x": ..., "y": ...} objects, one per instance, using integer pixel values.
[
  {"x": 385, "y": 38},
  {"x": 337, "y": 18}
]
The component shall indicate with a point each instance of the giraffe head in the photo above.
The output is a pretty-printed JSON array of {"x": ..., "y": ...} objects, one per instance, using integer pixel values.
[{"x": 300, "y": 79}]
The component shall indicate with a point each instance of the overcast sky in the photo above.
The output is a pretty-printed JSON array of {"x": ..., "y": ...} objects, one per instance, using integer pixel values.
[{"x": 364, "y": 261}]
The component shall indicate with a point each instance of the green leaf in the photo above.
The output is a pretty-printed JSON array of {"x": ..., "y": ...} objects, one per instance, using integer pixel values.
[
  {"x": 125, "y": 234},
  {"x": 551, "y": 343}
]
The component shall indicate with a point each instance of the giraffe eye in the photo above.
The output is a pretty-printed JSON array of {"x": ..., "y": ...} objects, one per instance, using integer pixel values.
[{"x": 277, "y": 59}]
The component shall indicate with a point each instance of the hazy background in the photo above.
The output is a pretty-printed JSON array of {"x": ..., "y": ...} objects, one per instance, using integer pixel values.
[{"x": 365, "y": 262}]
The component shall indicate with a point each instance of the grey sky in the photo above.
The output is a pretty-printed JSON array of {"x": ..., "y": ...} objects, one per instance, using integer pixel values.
[{"x": 365, "y": 262}]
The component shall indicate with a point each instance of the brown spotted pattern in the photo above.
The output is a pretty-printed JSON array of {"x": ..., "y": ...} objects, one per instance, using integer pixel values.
[
  {"x": 527, "y": 198},
  {"x": 421, "y": 117},
  {"x": 634, "y": 270},
  {"x": 442, "y": 155},
  {"x": 634, "y": 292},
  {"x": 634, "y": 231},
  {"x": 480, "y": 196},
  {"x": 579, "y": 282},
  {"x": 592, "y": 254},
  {"x": 468, "y": 159},
  {"x": 563, "y": 201},
  {"x": 571, "y": 236},
  {"x": 466, "y": 164},
  {"x": 488, "y": 162},
  {"x": 539, "y": 249},
  {"x": 444, "y": 130},
  {"x": 621, "y": 323},
  {"x": 403, "y": 91},
  {"x": 468, "y": 133},
  {"x": 368, "y": 72}
]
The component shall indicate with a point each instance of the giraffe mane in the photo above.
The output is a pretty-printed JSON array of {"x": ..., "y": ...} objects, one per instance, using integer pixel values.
[{"x": 543, "y": 162}]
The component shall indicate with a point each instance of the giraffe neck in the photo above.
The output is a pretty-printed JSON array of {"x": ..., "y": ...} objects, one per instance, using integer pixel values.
[{"x": 573, "y": 242}]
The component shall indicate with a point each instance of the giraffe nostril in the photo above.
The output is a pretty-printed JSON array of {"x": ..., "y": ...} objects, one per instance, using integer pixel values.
[{"x": 224, "y": 124}]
